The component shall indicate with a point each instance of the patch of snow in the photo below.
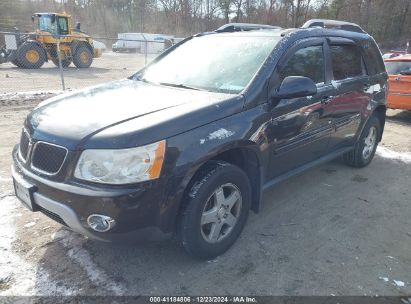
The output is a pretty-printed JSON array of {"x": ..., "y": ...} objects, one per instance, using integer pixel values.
[
  {"x": 202, "y": 141},
  {"x": 27, "y": 95},
  {"x": 31, "y": 224},
  {"x": 335, "y": 84},
  {"x": 399, "y": 283},
  {"x": 385, "y": 279},
  {"x": 220, "y": 134},
  {"x": 5, "y": 179},
  {"x": 74, "y": 245},
  {"x": 24, "y": 279},
  {"x": 404, "y": 157}
]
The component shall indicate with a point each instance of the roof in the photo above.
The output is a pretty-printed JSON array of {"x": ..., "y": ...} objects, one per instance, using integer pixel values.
[
  {"x": 336, "y": 24},
  {"x": 399, "y": 58},
  {"x": 49, "y": 14},
  {"x": 327, "y": 26}
]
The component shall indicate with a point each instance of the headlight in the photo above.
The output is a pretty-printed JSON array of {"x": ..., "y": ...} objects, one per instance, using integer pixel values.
[{"x": 121, "y": 166}]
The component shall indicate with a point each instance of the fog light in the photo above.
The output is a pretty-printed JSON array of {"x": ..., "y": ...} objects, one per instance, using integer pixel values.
[{"x": 100, "y": 223}]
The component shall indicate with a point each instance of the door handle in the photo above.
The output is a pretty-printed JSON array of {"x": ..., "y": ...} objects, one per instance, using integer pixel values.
[{"x": 326, "y": 99}]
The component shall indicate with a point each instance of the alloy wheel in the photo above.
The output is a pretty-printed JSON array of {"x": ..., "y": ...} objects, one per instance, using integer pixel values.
[
  {"x": 369, "y": 142},
  {"x": 221, "y": 213}
]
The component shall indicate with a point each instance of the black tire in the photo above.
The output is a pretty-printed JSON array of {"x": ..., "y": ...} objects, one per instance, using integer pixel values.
[
  {"x": 358, "y": 158},
  {"x": 83, "y": 57},
  {"x": 65, "y": 62},
  {"x": 197, "y": 238},
  {"x": 16, "y": 63},
  {"x": 30, "y": 55}
]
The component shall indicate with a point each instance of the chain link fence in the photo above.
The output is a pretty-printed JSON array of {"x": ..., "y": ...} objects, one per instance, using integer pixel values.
[{"x": 46, "y": 63}]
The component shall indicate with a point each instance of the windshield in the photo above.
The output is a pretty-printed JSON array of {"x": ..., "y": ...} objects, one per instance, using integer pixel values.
[
  {"x": 46, "y": 24},
  {"x": 396, "y": 67},
  {"x": 217, "y": 63}
]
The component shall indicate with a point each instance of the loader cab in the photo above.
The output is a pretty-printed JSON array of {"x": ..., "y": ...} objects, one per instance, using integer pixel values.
[{"x": 53, "y": 23}]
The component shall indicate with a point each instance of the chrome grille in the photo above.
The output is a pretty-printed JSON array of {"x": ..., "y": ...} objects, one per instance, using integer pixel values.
[
  {"x": 48, "y": 158},
  {"x": 24, "y": 144}
]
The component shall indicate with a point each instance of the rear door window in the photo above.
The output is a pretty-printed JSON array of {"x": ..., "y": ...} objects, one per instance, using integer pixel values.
[
  {"x": 346, "y": 61},
  {"x": 307, "y": 62}
]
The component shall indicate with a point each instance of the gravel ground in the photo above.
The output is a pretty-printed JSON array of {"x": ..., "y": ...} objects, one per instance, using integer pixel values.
[
  {"x": 110, "y": 66},
  {"x": 333, "y": 230}
]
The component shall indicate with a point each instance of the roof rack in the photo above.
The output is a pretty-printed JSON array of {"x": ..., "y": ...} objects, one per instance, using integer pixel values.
[
  {"x": 334, "y": 24},
  {"x": 239, "y": 27}
]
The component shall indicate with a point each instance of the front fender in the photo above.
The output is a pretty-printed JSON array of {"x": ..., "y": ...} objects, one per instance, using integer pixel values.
[{"x": 188, "y": 152}]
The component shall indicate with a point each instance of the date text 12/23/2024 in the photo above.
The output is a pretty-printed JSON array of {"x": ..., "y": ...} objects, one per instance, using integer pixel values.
[{"x": 203, "y": 299}]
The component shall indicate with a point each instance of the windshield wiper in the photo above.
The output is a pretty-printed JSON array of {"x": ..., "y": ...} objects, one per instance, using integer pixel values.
[{"x": 183, "y": 86}]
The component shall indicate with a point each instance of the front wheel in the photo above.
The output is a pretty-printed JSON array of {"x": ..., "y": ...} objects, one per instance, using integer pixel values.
[
  {"x": 215, "y": 211},
  {"x": 83, "y": 57},
  {"x": 366, "y": 146}
]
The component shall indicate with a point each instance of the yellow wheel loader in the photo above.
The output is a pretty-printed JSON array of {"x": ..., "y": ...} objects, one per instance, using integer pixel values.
[{"x": 32, "y": 50}]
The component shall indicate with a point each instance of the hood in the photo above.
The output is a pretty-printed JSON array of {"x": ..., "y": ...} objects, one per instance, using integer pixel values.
[{"x": 72, "y": 119}]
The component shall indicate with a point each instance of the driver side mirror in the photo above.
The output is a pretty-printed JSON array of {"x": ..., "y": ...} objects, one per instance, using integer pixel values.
[{"x": 294, "y": 87}]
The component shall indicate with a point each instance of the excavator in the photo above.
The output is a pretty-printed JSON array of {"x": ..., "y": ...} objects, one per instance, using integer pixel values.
[{"x": 32, "y": 50}]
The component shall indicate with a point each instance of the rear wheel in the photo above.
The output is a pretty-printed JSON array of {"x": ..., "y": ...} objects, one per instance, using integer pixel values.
[
  {"x": 215, "y": 212},
  {"x": 83, "y": 57},
  {"x": 366, "y": 146},
  {"x": 31, "y": 56}
]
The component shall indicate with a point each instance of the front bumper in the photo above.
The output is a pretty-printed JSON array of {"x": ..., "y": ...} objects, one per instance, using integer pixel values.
[{"x": 137, "y": 211}]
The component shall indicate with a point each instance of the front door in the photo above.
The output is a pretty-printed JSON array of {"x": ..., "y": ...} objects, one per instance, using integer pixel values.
[{"x": 298, "y": 131}]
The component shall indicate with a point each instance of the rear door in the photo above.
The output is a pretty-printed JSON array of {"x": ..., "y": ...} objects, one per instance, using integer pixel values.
[
  {"x": 399, "y": 93},
  {"x": 351, "y": 98}
]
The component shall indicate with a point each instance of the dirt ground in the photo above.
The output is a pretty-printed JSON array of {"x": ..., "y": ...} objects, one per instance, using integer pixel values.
[
  {"x": 333, "y": 230},
  {"x": 110, "y": 66}
]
